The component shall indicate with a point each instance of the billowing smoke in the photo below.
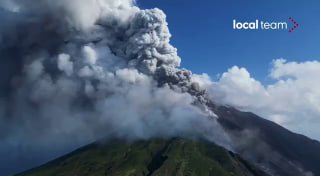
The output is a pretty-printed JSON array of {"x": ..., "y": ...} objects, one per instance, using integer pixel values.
[{"x": 74, "y": 71}]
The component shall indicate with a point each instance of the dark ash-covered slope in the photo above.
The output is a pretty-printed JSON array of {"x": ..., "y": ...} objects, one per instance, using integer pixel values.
[
  {"x": 174, "y": 157},
  {"x": 271, "y": 145}
]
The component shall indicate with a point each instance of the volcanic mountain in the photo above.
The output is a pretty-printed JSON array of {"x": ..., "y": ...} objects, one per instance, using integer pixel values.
[
  {"x": 272, "y": 150},
  {"x": 75, "y": 71},
  {"x": 155, "y": 157}
]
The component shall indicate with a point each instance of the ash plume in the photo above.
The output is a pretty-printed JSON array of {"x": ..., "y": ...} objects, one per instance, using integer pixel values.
[
  {"x": 67, "y": 66},
  {"x": 76, "y": 71}
]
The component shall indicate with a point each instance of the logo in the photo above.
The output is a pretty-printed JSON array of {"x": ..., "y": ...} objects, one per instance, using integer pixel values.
[{"x": 263, "y": 25}]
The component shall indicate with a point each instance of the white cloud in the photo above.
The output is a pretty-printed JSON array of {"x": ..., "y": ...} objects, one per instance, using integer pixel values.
[
  {"x": 293, "y": 100},
  {"x": 64, "y": 64}
]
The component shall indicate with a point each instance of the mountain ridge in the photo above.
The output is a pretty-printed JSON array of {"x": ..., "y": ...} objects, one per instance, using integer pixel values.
[{"x": 300, "y": 152}]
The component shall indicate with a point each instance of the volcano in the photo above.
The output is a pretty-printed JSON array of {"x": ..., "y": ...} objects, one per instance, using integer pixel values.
[
  {"x": 155, "y": 157},
  {"x": 76, "y": 71},
  {"x": 273, "y": 150}
]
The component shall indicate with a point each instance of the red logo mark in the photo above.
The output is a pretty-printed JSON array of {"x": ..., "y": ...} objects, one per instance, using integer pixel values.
[{"x": 295, "y": 24}]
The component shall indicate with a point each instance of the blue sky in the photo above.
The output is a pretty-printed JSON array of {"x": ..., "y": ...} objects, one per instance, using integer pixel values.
[{"x": 202, "y": 31}]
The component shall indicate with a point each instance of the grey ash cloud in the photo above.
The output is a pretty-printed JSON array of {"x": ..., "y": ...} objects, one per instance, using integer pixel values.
[
  {"x": 75, "y": 71},
  {"x": 68, "y": 79}
]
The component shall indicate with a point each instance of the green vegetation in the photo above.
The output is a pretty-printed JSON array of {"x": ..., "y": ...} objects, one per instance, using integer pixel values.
[{"x": 174, "y": 157}]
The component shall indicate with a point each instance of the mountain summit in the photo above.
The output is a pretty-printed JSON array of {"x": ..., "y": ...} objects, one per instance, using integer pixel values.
[
  {"x": 261, "y": 148},
  {"x": 158, "y": 157}
]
